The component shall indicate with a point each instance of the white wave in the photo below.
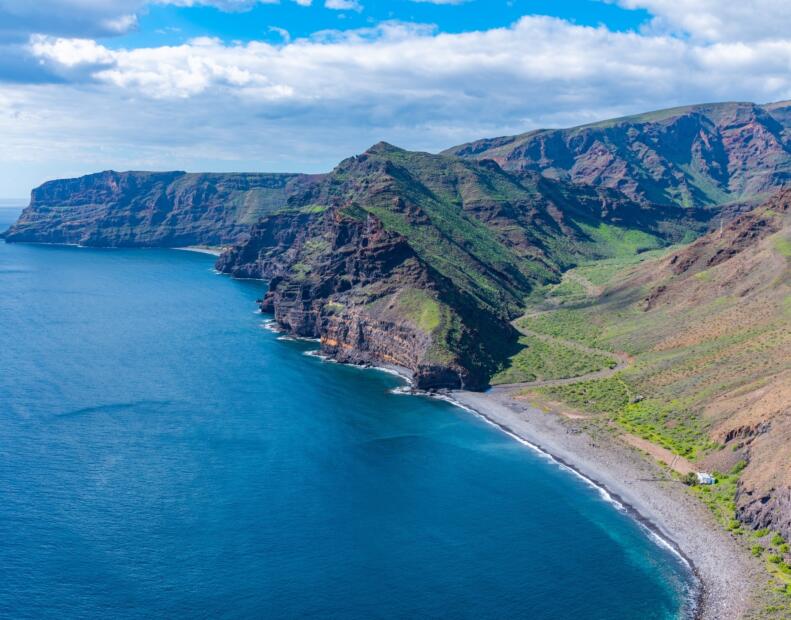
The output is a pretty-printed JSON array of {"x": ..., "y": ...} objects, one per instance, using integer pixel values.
[
  {"x": 297, "y": 338},
  {"x": 272, "y": 326}
]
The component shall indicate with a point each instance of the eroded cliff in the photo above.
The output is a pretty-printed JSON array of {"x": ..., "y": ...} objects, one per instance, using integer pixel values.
[
  {"x": 421, "y": 260},
  {"x": 146, "y": 209}
]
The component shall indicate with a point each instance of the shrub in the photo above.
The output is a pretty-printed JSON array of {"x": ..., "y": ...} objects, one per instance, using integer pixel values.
[{"x": 691, "y": 479}]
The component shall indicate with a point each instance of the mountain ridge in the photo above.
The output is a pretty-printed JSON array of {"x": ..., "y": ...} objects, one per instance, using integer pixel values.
[
  {"x": 442, "y": 250},
  {"x": 702, "y": 156}
]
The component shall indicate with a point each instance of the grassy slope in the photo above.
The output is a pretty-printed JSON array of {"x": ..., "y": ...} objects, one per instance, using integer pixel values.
[
  {"x": 724, "y": 332},
  {"x": 539, "y": 360},
  {"x": 434, "y": 202},
  {"x": 489, "y": 238},
  {"x": 480, "y": 257}
]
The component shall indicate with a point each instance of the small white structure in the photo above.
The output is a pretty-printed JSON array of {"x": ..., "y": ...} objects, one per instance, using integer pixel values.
[{"x": 705, "y": 478}]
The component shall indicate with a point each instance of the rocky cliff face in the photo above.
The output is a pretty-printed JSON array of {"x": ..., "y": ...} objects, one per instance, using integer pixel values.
[
  {"x": 421, "y": 261},
  {"x": 342, "y": 277},
  {"x": 695, "y": 156},
  {"x": 151, "y": 209}
]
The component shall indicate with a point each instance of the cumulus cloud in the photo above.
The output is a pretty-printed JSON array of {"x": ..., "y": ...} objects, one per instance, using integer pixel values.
[
  {"x": 539, "y": 57},
  {"x": 94, "y": 18},
  {"x": 718, "y": 20},
  {"x": 306, "y": 103},
  {"x": 97, "y": 18},
  {"x": 343, "y": 5}
]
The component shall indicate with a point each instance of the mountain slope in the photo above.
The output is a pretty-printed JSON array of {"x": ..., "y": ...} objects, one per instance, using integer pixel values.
[
  {"x": 151, "y": 208},
  {"x": 709, "y": 330},
  {"x": 422, "y": 260},
  {"x": 696, "y": 156}
]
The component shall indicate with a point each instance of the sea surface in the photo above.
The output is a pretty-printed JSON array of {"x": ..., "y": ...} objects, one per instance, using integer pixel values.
[{"x": 163, "y": 455}]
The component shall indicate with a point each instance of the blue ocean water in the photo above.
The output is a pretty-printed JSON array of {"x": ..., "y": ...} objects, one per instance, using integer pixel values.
[{"x": 162, "y": 455}]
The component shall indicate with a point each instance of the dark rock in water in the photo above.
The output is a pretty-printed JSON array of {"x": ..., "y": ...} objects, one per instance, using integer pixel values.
[{"x": 169, "y": 209}]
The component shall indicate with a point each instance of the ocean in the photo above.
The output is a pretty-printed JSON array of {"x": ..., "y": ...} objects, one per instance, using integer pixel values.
[{"x": 164, "y": 455}]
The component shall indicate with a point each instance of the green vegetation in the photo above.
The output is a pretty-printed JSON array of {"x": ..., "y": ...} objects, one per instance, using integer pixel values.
[
  {"x": 568, "y": 291},
  {"x": 423, "y": 310},
  {"x": 607, "y": 396},
  {"x": 313, "y": 209},
  {"x": 300, "y": 271},
  {"x": 568, "y": 324},
  {"x": 614, "y": 241},
  {"x": 782, "y": 245},
  {"x": 661, "y": 423},
  {"x": 668, "y": 425},
  {"x": 434, "y": 202},
  {"x": 721, "y": 500},
  {"x": 354, "y": 212},
  {"x": 541, "y": 360},
  {"x": 601, "y": 272}
]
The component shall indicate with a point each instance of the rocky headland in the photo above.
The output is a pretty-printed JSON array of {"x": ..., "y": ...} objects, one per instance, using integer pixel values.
[{"x": 424, "y": 262}]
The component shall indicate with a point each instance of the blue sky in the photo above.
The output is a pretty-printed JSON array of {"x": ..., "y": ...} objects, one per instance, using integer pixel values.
[
  {"x": 297, "y": 85},
  {"x": 171, "y": 25}
]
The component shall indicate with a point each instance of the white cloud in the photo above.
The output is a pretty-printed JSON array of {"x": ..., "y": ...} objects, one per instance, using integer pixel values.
[
  {"x": 537, "y": 57},
  {"x": 96, "y": 18},
  {"x": 71, "y": 52},
  {"x": 719, "y": 20},
  {"x": 343, "y": 5},
  {"x": 307, "y": 103}
]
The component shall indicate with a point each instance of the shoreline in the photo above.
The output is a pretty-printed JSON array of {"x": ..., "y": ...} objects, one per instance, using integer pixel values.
[
  {"x": 726, "y": 581},
  {"x": 201, "y": 249},
  {"x": 726, "y": 576}
]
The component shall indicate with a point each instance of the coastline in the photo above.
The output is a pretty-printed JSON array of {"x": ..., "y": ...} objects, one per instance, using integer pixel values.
[
  {"x": 727, "y": 577},
  {"x": 202, "y": 249},
  {"x": 727, "y": 580}
]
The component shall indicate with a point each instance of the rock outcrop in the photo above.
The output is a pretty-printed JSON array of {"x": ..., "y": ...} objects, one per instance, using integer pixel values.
[
  {"x": 421, "y": 261},
  {"x": 368, "y": 296}
]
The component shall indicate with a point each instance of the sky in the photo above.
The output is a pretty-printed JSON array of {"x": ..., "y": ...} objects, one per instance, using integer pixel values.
[{"x": 298, "y": 85}]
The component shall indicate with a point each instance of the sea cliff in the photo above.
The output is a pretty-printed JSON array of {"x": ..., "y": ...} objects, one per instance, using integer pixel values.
[{"x": 146, "y": 209}]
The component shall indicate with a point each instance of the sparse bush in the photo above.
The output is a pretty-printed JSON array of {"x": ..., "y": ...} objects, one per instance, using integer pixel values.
[
  {"x": 691, "y": 479},
  {"x": 539, "y": 359}
]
